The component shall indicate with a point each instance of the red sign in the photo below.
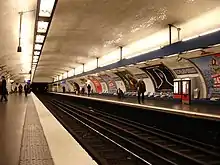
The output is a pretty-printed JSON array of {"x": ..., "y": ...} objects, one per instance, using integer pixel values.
[
  {"x": 97, "y": 84},
  {"x": 216, "y": 79}
]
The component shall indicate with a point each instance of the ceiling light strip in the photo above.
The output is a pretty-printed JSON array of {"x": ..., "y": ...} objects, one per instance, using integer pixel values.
[{"x": 44, "y": 15}]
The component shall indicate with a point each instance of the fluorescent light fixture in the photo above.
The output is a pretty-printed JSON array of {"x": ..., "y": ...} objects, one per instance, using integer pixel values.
[
  {"x": 42, "y": 26},
  {"x": 37, "y": 46},
  {"x": 143, "y": 52},
  {"x": 46, "y": 7},
  {"x": 155, "y": 59},
  {"x": 40, "y": 38},
  {"x": 210, "y": 31},
  {"x": 216, "y": 45},
  {"x": 193, "y": 50},
  {"x": 35, "y": 60},
  {"x": 172, "y": 55},
  {"x": 153, "y": 49},
  {"x": 131, "y": 65},
  {"x": 36, "y": 57},
  {"x": 143, "y": 62},
  {"x": 189, "y": 38},
  {"x": 36, "y": 53}
]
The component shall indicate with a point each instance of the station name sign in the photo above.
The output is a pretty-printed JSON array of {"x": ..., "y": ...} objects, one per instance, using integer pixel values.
[{"x": 184, "y": 71}]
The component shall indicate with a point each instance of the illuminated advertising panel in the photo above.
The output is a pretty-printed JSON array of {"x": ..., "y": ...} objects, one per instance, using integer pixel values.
[
  {"x": 161, "y": 76},
  {"x": 110, "y": 82},
  {"x": 97, "y": 84},
  {"x": 128, "y": 79},
  {"x": 210, "y": 68}
]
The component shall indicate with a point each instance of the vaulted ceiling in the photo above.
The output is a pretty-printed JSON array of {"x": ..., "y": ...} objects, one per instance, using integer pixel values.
[
  {"x": 14, "y": 64},
  {"x": 82, "y": 30}
]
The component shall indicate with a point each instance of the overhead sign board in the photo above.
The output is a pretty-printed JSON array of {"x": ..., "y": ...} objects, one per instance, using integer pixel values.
[{"x": 184, "y": 71}]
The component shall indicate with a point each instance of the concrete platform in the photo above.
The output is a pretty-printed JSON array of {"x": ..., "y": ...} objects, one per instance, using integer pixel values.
[
  {"x": 12, "y": 116},
  {"x": 202, "y": 111},
  {"x": 30, "y": 135}
]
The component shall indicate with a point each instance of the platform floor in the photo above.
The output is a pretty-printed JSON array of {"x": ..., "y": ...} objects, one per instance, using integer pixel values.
[
  {"x": 203, "y": 108},
  {"x": 30, "y": 135},
  {"x": 206, "y": 111},
  {"x": 12, "y": 115}
]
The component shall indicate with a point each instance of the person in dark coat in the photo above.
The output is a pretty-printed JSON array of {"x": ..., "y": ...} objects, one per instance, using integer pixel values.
[
  {"x": 141, "y": 89},
  {"x": 120, "y": 93},
  {"x": 89, "y": 89},
  {"x": 4, "y": 89},
  {"x": 20, "y": 88},
  {"x": 64, "y": 89},
  {"x": 26, "y": 89}
]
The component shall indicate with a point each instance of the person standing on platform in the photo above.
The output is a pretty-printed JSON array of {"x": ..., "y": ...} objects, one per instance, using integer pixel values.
[
  {"x": 26, "y": 89},
  {"x": 89, "y": 89},
  {"x": 20, "y": 88},
  {"x": 141, "y": 89},
  {"x": 16, "y": 89},
  {"x": 64, "y": 89},
  {"x": 4, "y": 89},
  {"x": 120, "y": 93},
  {"x": 83, "y": 90}
]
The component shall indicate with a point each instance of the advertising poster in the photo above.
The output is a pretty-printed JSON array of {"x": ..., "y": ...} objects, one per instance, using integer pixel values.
[
  {"x": 111, "y": 83},
  {"x": 97, "y": 84},
  {"x": 103, "y": 83},
  {"x": 74, "y": 85},
  {"x": 141, "y": 76},
  {"x": 161, "y": 76},
  {"x": 210, "y": 68},
  {"x": 128, "y": 79},
  {"x": 83, "y": 81},
  {"x": 104, "y": 87}
]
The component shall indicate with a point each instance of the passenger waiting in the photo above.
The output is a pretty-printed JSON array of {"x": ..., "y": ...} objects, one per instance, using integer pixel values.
[
  {"x": 141, "y": 89},
  {"x": 20, "y": 88},
  {"x": 120, "y": 93},
  {"x": 3, "y": 89},
  {"x": 89, "y": 89},
  {"x": 83, "y": 90},
  {"x": 64, "y": 89},
  {"x": 26, "y": 89}
]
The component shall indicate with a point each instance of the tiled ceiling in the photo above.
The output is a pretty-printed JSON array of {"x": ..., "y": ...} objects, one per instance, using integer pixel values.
[
  {"x": 12, "y": 63},
  {"x": 84, "y": 29}
]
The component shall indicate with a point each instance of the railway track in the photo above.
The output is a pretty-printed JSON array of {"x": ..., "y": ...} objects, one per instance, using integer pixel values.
[{"x": 128, "y": 142}]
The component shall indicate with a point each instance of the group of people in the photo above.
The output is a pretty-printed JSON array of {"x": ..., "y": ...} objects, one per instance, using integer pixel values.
[
  {"x": 140, "y": 86},
  {"x": 89, "y": 90},
  {"x": 4, "y": 90},
  {"x": 19, "y": 89},
  {"x": 141, "y": 89}
]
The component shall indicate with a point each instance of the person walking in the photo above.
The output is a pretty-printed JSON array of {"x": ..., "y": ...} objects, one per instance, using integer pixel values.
[
  {"x": 4, "y": 89},
  {"x": 141, "y": 89},
  {"x": 89, "y": 89}
]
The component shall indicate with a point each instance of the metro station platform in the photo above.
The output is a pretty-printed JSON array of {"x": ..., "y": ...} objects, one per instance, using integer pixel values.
[
  {"x": 206, "y": 111},
  {"x": 29, "y": 134}
]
